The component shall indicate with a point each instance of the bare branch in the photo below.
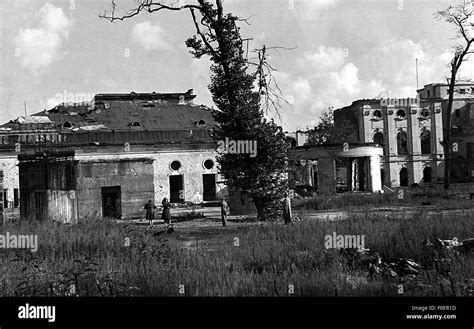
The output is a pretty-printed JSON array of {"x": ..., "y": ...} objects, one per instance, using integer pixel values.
[
  {"x": 203, "y": 37},
  {"x": 144, "y": 5}
]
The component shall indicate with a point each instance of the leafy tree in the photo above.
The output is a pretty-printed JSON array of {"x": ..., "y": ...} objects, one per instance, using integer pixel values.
[
  {"x": 238, "y": 95},
  {"x": 327, "y": 132}
]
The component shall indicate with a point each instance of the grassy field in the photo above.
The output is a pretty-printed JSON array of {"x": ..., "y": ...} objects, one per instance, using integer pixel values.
[
  {"x": 354, "y": 201},
  {"x": 91, "y": 259}
]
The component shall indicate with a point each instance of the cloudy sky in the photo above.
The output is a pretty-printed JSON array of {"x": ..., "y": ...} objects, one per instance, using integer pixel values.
[{"x": 345, "y": 50}]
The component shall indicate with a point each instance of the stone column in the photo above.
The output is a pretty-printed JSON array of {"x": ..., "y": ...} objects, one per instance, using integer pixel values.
[
  {"x": 413, "y": 127},
  {"x": 375, "y": 178}
]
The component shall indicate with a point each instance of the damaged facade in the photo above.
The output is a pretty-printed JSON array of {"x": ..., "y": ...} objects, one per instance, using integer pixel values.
[
  {"x": 336, "y": 168},
  {"x": 411, "y": 131},
  {"x": 107, "y": 157}
]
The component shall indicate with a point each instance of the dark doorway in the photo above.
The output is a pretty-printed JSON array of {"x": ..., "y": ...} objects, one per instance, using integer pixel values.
[
  {"x": 427, "y": 175},
  {"x": 41, "y": 204},
  {"x": 112, "y": 202},
  {"x": 382, "y": 176},
  {"x": 176, "y": 188},
  {"x": 404, "y": 177},
  {"x": 362, "y": 174},
  {"x": 209, "y": 187}
]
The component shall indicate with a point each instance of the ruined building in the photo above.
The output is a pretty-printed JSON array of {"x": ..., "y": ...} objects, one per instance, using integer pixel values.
[
  {"x": 410, "y": 132},
  {"x": 336, "y": 168},
  {"x": 107, "y": 157}
]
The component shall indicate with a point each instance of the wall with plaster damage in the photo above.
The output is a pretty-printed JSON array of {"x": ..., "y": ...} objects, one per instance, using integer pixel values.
[{"x": 135, "y": 178}]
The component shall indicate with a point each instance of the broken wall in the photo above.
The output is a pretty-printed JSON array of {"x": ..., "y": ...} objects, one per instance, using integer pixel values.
[{"x": 134, "y": 176}]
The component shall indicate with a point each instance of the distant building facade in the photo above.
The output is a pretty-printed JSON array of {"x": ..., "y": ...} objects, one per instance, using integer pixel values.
[
  {"x": 462, "y": 125},
  {"x": 411, "y": 131}
]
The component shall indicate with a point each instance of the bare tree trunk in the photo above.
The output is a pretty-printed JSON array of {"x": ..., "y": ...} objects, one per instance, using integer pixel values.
[{"x": 447, "y": 130}]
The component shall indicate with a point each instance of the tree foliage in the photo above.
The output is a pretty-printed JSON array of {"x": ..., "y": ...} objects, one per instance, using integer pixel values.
[
  {"x": 327, "y": 132},
  {"x": 238, "y": 95}
]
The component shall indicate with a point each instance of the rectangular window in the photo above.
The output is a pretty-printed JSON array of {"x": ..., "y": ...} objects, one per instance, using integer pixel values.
[
  {"x": 16, "y": 199},
  {"x": 5, "y": 198}
]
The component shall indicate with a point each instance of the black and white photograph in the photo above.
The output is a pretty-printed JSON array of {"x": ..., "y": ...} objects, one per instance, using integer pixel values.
[{"x": 177, "y": 160}]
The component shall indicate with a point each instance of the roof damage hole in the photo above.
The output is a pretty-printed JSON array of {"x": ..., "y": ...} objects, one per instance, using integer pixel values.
[{"x": 200, "y": 123}]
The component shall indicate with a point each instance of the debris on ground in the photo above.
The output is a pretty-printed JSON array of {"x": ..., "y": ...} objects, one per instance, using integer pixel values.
[
  {"x": 406, "y": 267},
  {"x": 444, "y": 246}
]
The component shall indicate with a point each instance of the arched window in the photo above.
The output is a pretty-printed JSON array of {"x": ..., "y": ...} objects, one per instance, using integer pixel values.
[
  {"x": 378, "y": 138},
  {"x": 377, "y": 114},
  {"x": 427, "y": 175},
  {"x": 404, "y": 177},
  {"x": 425, "y": 142},
  {"x": 402, "y": 144},
  {"x": 67, "y": 124}
]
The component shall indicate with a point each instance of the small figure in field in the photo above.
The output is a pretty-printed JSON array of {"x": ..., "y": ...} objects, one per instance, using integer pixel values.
[
  {"x": 225, "y": 211},
  {"x": 286, "y": 204},
  {"x": 149, "y": 206},
  {"x": 166, "y": 215}
]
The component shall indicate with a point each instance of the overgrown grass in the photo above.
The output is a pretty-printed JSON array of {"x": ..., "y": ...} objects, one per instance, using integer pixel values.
[
  {"x": 356, "y": 201},
  {"x": 90, "y": 259}
]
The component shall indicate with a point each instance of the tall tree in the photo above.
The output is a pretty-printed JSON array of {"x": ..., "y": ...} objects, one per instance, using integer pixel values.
[
  {"x": 327, "y": 132},
  {"x": 461, "y": 17},
  {"x": 238, "y": 96}
]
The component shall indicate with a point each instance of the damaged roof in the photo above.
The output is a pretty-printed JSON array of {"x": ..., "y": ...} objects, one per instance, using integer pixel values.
[{"x": 125, "y": 112}]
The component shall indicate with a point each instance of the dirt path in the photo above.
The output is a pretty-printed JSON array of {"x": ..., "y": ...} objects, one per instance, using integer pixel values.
[{"x": 209, "y": 233}]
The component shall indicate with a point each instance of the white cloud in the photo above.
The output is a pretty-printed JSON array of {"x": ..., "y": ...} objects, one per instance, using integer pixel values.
[
  {"x": 150, "y": 36},
  {"x": 200, "y": 74},
  {"x": 326, "y": 78},
  {"x": 307, "y": 10},
  {"x": 39, "y": 47},
  {"x": 319, "y": 80}
]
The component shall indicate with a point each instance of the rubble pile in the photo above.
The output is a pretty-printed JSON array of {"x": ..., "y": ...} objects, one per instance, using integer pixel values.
[{"x": 405, "y": 267}]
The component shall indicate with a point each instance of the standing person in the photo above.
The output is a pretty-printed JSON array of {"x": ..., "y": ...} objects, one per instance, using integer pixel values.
[
  {"x": 286, "y": 203},
  {"x": 149, "y": 206},
  {"x": 225, "y": 211},
  {"x": 166, "y": 215}
]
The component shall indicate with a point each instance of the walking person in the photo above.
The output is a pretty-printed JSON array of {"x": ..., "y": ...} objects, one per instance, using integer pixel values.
[
  {"x": 166, "y": 215},
  {"x": 225, "y": 211},
  {"x": 286, "y": 204},
  {"x": 149, "y": 206}
]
